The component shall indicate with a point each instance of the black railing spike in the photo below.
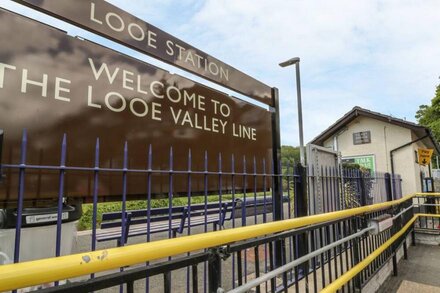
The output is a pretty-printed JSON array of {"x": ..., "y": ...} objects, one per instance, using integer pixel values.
[{"x": 150, "y": 157}]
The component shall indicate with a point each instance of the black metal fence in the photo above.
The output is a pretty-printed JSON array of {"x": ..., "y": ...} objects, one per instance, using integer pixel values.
[
  {"x": 171, "y": 217},
  {"x": 427, "y": 205},
  {"x": 340, "y": 246}
]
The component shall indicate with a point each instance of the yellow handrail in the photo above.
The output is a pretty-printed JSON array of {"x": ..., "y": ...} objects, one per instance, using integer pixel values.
[
  {"x": 345, "y": 278},
  {"x": 25, "y": 274}
]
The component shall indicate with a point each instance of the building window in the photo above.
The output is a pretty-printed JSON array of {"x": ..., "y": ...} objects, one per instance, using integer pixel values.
[{"x": 416, "y": 156}]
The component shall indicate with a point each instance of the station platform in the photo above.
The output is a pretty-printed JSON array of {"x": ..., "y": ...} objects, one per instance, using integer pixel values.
[{"x": 420, "y": 273}]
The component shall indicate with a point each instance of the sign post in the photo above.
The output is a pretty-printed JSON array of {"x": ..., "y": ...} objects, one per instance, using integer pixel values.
[{"x": 277, "y": 180}]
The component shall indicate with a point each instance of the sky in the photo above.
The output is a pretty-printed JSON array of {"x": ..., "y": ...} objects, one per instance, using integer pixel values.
[{"x": 380, "y": 55}]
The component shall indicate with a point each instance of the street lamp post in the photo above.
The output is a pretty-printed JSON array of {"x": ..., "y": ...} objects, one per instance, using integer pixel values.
[
  {"x": 300, "y": 201},
  {"x": 295, "y": 61}
]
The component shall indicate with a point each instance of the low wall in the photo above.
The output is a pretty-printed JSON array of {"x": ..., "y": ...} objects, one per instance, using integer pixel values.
[
  {"x": 428, "y": 238},
  {"x": 382, "y": 275},
  {"x": 422, "y": 237}
]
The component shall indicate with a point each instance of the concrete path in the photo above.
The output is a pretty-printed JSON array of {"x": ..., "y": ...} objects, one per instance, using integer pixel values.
[{"x": 418, "y": 274}]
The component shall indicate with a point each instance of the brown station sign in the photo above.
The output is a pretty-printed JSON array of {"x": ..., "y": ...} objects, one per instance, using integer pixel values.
[
  {"x": 51, "y": 84},
  {"x": 114, "y": 23}
]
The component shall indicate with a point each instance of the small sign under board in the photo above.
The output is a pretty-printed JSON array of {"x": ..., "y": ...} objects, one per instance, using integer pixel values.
[{"x": 47, "y": 218}]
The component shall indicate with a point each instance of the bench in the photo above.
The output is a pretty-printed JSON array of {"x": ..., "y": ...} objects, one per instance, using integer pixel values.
[
  {"x": 181, "y": 217},
  {"x": 255, "y": 206}
]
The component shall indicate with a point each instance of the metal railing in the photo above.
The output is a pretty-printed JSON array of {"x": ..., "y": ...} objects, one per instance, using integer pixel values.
[
  {"x": 255, "y": 180},
  {"x": 356, "y": 270},
  {"x": 330, "y": 253},
  {"x": 349, "y": 188}
]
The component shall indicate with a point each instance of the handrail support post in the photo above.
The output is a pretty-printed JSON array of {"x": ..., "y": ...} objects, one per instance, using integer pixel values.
[{"x": 215, "y": 268}]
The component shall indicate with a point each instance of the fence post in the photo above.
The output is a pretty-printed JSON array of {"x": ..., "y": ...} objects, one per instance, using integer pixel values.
[
  {"x": 276, "y": 153},
  {"x": 300, "y": 210},
  {"x": 277, "y": 194},
  {"x": 1, "y": 151},
  {"x": 429, "y": 183},
  {"x": 363, "y": 195},
  {"x": 300, "y": 193},
  {"x": 214, "y": 271},
  {"x": 388, "y": 188}
]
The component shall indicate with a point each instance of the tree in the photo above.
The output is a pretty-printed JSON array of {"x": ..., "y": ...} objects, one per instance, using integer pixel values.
[
  {"x": 429, "y": 115},
  {"x": 289, "y": 156}
]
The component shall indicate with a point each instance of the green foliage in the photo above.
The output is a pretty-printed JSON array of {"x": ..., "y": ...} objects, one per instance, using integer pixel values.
[
  {"x": 289, "y": 155},
  {"x": 85, "y": 222},
  {"x": 289, "y": 158},
  {"x": 351, "y": 166},
  {"x": 351, "y": 188},
  {"x": 429, "y": 115}
]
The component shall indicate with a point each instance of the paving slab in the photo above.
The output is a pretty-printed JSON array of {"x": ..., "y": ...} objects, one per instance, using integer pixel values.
[{"x": 419, "y": 273}]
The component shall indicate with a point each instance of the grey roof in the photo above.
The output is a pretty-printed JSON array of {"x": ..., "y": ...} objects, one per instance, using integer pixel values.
[{"x": 357, "y": 111}]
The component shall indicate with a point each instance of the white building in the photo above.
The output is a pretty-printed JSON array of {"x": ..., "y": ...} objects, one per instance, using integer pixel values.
[{"x": 382, "y": 144}]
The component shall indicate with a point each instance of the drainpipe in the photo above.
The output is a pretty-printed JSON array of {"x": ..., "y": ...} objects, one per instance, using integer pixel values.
[{"x": 398, "y": 148}]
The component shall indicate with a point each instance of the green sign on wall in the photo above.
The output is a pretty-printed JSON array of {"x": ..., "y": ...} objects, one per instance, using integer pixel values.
[{"x": 367, "y": 162}]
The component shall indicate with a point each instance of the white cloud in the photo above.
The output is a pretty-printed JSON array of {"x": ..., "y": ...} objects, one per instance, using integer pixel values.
[
  {"x": 383, "y": 55},
  {"x": 378, "y": 54}
]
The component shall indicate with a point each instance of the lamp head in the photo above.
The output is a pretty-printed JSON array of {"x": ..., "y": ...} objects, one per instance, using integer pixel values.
[{"x": 289, "y": 62}]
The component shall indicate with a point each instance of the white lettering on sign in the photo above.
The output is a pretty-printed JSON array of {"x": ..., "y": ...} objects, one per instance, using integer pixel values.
[
  {"x": 115, "y": 98},
  {"x": 41, "y": 81},
  {"x": 89, "y": 98},
  {"x": 3, "y": 66},
  {"x": 115, "y": 22},
  {"x": 188, "y": 108},
  {"x": 153, "y": 87},
  {"x": 194, "y": 120},
  {"x": 221, "y": 108},
  {"x": 197, "y": 61},
  {"x": 59, "y": 89},
  {"x": 140, "y": 33},
  {"x": 242, "y": 131},
  {"x": 25, "y": 82},
  {"x": 104, "y": 67}
]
